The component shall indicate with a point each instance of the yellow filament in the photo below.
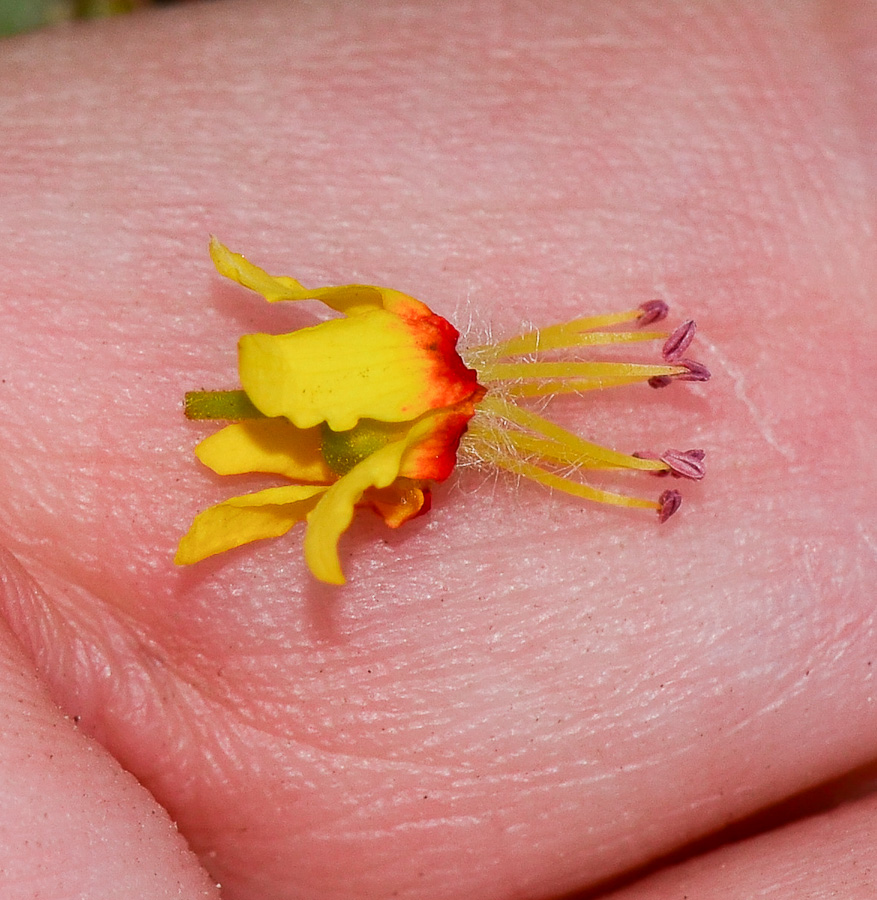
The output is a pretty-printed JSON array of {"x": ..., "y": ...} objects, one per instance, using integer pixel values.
[
  {"x": 566, "y": 334},
  {"x": 534, "y": 446},
  {"x": 554, "y": 387},
  {"x": 573, "y": 446},
  {"x": 559, "y": 483},
  {"x": 516, "y": 371}
]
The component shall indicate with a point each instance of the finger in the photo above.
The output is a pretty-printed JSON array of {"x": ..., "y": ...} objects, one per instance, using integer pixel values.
[
  {"x": 72, "y": 822},
  {"x": 519, "y": 690}
]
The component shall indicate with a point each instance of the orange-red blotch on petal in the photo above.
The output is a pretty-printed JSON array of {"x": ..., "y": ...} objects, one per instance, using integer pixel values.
[
  {"x": 448, "y": 380},
  {"x": 434, "y": 457}
]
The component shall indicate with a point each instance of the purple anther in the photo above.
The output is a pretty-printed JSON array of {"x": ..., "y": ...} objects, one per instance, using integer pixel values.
[
  {"x": 685, "y": 463},
  {"x": 652, "y": 311},
  {"x": 678, "y": 342},
  {"x": 696, "y": 371},
  {"x": 659, "y": 381},
  {"x": 670, "y": 501}
]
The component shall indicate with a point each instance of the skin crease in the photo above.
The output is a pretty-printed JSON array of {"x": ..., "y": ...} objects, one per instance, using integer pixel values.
[
  {"x": 73, "y": 821},
  {"x": 829, "y": 856},
  {"x": 518, "y": 696}
]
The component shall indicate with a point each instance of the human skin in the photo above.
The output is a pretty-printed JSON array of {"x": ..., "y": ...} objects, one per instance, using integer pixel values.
[
  {"x": 519, "y": 695},
  {"x": 826, "y": 856}
]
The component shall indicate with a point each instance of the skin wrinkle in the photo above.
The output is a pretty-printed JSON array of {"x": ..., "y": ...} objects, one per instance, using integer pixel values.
[
  {"x": 832, "y": 868},
  {"x": 137, "y": 689}
]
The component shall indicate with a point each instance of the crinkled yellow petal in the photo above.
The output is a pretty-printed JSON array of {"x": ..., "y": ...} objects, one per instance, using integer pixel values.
[
  {"x": 332, "y": 516},
  {"x": 402, "y": 501},
  {"x": 373, "y": 366},
  {"x": 351, "y": 299},
  {"x": 251, "y": 517},
  {"x": 266, "y": 445},
  {"x": 238, "y": 268}
]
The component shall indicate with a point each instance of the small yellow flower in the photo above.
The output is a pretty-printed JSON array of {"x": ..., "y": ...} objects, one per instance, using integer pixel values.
[{"x": 369, "y": 409}]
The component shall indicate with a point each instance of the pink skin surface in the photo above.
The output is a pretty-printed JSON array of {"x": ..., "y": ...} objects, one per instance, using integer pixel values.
[{"x": 519, "y": 695}]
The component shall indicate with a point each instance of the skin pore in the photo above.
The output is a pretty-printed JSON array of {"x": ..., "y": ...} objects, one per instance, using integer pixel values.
[{"x": 519, "y": 695}]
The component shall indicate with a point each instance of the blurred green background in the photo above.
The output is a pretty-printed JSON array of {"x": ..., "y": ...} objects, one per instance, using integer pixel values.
[{"x": 24, "y": 15}]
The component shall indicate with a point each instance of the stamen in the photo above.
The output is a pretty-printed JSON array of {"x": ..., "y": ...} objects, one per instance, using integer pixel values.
[
  {"x": 652, "y": 311},
  {"x": 685, "y": 463},
  {"x": 574, "y": 446},
  {"x": 573, "y": 452},
  {"x": 678, "y": 341},
  {"x": 576, "y": 333},
  {"x": 558, "y": 482},
  {"x": 515, "y": 371},
  {"x": 668, "y": 503},
  {"x": 556, "y": 387},
  {"x": 696, "y": 371},
  {"x": 520, "y": 441}
]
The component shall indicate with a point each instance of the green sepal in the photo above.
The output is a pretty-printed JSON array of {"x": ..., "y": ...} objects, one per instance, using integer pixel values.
[{"x": 231, "y": 405}]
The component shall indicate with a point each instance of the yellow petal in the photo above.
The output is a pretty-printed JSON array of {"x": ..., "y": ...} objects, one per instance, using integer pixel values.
[
  {"x": 238, "y": 268},
  {"x": 240, "y": 520},
  {"x": 372, "y": 366},
  {"x": 351, "y": 299},
  {"x": 266, "y": 445},
  {"x": 332, "y": 516}
]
